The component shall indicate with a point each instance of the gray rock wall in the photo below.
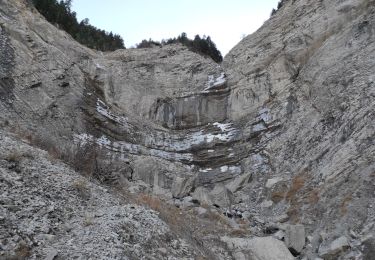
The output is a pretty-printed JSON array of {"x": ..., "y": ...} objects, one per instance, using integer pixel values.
[{"x": 293, "y": 102}]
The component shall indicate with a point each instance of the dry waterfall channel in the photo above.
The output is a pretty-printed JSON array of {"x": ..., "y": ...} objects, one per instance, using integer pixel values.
[{"x": 161, "y": 153}]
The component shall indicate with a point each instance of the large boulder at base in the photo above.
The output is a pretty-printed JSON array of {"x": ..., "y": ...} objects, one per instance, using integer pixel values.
[
  {"x": 221, "y": 196},
  {"x": 295, "y": 237},
  {"x": 182, "y": 186},
  {"x": 201, "y": 195},
  {"x": 333, "y": 250},
  {"x": 260, "y": 248},
  {"x": 239, "y": 182}
]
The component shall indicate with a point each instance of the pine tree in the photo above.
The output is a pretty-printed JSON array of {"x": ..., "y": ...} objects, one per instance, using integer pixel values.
[{"x": 61, "y": 15}]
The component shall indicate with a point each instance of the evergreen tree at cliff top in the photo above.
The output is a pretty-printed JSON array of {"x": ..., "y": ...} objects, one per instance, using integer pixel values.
[
  {"x": 201, "y": 45},
  {"x": 60, "y": 14}
]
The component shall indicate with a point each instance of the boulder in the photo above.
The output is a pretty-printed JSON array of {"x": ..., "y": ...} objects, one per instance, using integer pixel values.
[
  {"x": 152, "y": 172},
  {"x": 200, "y": 211},
  {"x": 368, "y": 247},
  {"x": 295, "y": 237},
  {"x": 266, "y": 204},
  {"x": 221, "y": 196},
  {"x": 181, "y": 186},
  {"x": 280, "y": 218},
  {"x": 260, "y": 248},
  {"x": 52, "y": 254},
  {"x": 201, "y": 195},
  {"x": 187, "y": 202},
  {"x": 239, "y": 182},
  {"x": 334, "y": 248}
]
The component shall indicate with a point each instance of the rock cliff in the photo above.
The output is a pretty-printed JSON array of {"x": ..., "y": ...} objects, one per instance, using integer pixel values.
[{"x": 276, "y": 141}]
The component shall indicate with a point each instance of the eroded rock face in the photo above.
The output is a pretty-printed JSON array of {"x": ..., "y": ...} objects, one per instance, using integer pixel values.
[
  {"x": 49, "y": 211},
  {"x": 285, "y": 123},
  {"x": 309, "y": 67}
]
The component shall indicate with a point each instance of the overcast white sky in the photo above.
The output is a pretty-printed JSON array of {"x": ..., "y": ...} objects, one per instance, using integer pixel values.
[{"x": 226, "y": 21}]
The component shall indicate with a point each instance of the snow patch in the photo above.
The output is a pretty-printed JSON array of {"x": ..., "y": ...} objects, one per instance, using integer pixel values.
[
  {"x": 264, "y": 114},
  {"x": 124, "y": 148},
  {"x": 224, "y": 127},
  {"x": 98, "y": 66},
  {"x": 83, "y": 139},
  {"x": 103, "y": 109},
  {"x": 205, "y": 170},
  {"x": 224, "y": 168},
  {"x": 213, "y": 83},
  {"x": 103, "y": 141},
  {"x": 259, "y": 127},
  {"x": 221, "y": 137}
]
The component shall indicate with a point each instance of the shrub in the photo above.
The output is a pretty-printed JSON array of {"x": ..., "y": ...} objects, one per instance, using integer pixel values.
[
  {"x": 80, "y": 186},
  {"x": 280, "y": 4},
  {"x": 14, "y": 156},
  {"x": 60, "y": 14},
  {"x": 201, "y": 45}
]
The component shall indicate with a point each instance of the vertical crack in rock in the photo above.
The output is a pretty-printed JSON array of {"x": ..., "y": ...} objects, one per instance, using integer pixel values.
[{"x": 6, "y": 66}]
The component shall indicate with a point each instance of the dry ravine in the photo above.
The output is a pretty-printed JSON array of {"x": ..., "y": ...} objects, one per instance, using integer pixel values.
[{"x": 161, "y": 153}]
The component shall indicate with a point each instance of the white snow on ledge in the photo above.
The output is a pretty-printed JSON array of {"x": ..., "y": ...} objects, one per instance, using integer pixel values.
[
  {"x": 224, "y": 127},
  {"x": 102, "y": 109},
  {"x": 98, "y": 66},
  {"x": 222, "y": 169},
  {"x": 124, "y": 148},
  {"x": 212, "y": 82}
]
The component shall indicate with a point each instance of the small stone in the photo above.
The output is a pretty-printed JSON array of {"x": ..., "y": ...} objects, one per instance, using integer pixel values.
[
  {"x": 280, "y": 218},
  {"x": 200, "y": 211},
  {"x": 271, "y": 182},
  {"x": 163, "y": 251},
  {"x": 368, "y": 247},
  {"x": 51, "y": 254},
  {"x": 280, "y": 235},
  {"x": 266, "y": 204},
  {"x": 259, "y": 220},
  {"x": 246, "y": 214},
  {"x": 335, "y": 248}
]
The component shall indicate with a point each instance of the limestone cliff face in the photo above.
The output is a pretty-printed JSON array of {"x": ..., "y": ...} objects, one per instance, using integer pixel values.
[
  {"x": 282, "y": 131},
  {"x": 312, "y": 68}
]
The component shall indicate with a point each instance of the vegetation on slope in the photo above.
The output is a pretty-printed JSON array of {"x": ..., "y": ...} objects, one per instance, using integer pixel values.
[
  {"x": 60, "y": 14},
  {"x": 279, "y": 5},
  {"x": 201, "y": 45}
]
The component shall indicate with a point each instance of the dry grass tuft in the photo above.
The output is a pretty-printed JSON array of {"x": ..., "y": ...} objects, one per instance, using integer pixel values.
[
  {"x": 298, "y": 183},
  {"x": 277, "y": 196},
  {"x": 294, "y": 196},
  {"x": 344, "y": 204},
  {"x": 23, "y": 251},
  {"x": 169, "y": 213},
  {"x": 88, "y": 220},
  {"x": 81, "y": 187},
  {"x": 313, "y": 196},
  {"x": 240, "y": 232},
  {"x": 14, "y": 156},
  {"x": 149, "y": 201}
]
